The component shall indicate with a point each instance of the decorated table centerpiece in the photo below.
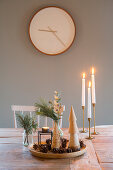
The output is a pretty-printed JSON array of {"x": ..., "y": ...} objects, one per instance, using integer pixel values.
[{"x": 57, "y": 146}]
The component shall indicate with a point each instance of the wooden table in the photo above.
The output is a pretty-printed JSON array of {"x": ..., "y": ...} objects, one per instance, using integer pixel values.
[{"x": 13, "y": 155}]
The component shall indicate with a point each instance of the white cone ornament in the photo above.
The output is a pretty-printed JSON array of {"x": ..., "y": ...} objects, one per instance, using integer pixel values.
[
  {"x": 56, "y": 137},
  {"x": 73, "y": 130}
]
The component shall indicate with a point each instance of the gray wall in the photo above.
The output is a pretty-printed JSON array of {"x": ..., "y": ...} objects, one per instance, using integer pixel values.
[{"x": 26, "y": 74}]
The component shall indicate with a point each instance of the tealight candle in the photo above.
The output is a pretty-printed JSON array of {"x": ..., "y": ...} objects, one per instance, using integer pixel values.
[
  {"x": 45, "y": 129},
  {"x": 89, "y": 101}
]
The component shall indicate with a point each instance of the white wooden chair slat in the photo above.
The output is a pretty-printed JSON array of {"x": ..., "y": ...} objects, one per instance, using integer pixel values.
[
  {"x": 38, "y": 120},
  {"x": 23, "y": 108}
]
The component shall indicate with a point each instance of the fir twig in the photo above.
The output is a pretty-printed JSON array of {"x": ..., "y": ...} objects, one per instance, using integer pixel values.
[
  {"x": 26, "y": 122},
  {"x": 46, "y": 110}
]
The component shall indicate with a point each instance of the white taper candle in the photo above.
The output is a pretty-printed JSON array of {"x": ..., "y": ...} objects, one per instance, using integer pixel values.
[
  {"x": 93, "y": 87},
  {"x": 89, "y": 101},
  {"x": 38, "y": 120},
  {"x": 83, "y": 90}
]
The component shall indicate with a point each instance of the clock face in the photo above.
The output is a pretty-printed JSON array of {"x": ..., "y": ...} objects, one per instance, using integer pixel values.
[{"x": 52, "y": 30}]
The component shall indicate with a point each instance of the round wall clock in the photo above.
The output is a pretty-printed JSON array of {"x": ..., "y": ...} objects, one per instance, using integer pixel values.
[{"x": 52, "y": 30}]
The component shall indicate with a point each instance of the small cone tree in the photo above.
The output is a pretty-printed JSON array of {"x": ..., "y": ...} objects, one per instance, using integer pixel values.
[
  {"x": 73, "y": 130},
  {"x": 56, "y": 137}
]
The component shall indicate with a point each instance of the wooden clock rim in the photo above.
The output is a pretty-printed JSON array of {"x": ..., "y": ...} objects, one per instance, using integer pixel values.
[{"x": 33, "y": 43}]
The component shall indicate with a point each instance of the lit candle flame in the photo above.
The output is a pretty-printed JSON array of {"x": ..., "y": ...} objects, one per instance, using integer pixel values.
[
  {"x": 84, "y": 75},
  {"x": 89, "y": 83},
  {"x": 93, "y": 70}
]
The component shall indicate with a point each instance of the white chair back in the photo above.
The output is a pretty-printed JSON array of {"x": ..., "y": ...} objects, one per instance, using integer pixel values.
[
  {"x": 22, "y": 109},
  {"x": 30, "y": 109}
]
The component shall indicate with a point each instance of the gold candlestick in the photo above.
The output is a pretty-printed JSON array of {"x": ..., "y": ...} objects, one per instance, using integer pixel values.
[
  {"x": 90, "y": 137},
  {"x": 83, "y": 131},
  {"x": 94, "y": 133}
]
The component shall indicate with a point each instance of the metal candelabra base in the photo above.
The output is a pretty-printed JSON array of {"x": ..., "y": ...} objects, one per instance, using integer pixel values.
[{"x": 89, "y": 137}]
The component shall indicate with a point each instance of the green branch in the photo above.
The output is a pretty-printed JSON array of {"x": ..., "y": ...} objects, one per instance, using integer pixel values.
[{"x": 46, "y": 110}]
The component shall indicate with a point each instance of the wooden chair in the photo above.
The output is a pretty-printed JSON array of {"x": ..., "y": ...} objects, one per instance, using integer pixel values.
[
  {"x": 30, "y": 109},
  {"x": 22, "y": 109}
]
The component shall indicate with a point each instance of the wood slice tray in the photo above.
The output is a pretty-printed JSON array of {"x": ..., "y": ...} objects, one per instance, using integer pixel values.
[{"x": 51, "y": 155}]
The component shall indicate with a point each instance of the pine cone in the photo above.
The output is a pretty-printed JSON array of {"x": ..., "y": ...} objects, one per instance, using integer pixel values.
[
  {"x": 43, "y": 148},
  {"x": 35, "y": 146},
  {"x": 48, "y": 141},
  {"x": 55, "y": 150},
  {"x": 49, "y": 147},
  {"x": 75, "y": 149},
  {"x": 63, "y": 142},
  {"x": 62, "y": 150},
  {"x": 69, "y": 150},
  {"x": 82, "y": 143}
]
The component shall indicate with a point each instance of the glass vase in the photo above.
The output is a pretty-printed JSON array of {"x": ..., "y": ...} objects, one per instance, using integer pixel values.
[
  {"x": 35, "y": 137},
  {"x": 60, "y": 130},
  {"x": 27, "y": 139}
]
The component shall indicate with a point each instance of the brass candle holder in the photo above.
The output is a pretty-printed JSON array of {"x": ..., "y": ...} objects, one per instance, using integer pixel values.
[
  {"x": 83, "y": 131},
  {"x": 90, "y": 137},
  {"x": 94, "y": 133}
]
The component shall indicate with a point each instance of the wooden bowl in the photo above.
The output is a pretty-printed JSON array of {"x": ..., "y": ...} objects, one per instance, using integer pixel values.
[{"x": 51, "y": 155}]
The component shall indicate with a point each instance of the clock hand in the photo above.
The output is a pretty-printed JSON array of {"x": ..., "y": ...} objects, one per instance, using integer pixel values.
[
  {"x": 46, "y": 30},
  {"x": 57, "y": 36}
]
